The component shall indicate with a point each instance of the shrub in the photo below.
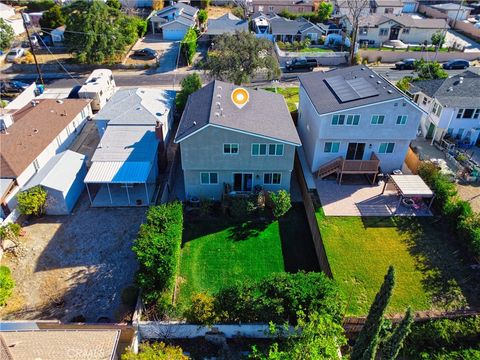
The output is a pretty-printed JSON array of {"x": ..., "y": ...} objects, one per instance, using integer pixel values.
[
  {"x": 11, "y": 231},
  {"x": 190, "y": 84},
  {"x": 242, "y": 207},
  {"x": 357, "y": 59},
  {"x": 156, "y": 351},
  {"x": 201, "y": 310},
  {"x": 157, "y": 248},
  {"x": 202, "y": 16},
  {"x": 32, "y": 201},
  {"x": 281, "y": 202},
  {"x": 189, "y": 45},
  {"x": 6, "y": 284}
]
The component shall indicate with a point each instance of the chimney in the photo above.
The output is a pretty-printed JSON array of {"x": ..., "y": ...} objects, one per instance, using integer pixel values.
[{"x": 159, "y": 131}]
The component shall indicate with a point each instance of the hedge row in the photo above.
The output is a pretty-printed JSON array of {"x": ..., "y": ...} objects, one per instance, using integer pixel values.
[
  {"x": 189, "y": 45},
  {"x": 458, "y": 213},
  {"x": 445, "y": 339},
  {"x": 276, "y": 299},
  {"x": 158, "y": 251}
]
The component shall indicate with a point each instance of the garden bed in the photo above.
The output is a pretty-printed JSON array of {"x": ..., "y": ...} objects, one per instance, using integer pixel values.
[{"x": 218, "y": 250}]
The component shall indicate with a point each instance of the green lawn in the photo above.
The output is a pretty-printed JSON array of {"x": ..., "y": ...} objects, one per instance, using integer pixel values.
[
  {"x": 218, "y": 251},
  {"x": 290, "y": 94},
  {"x": 432, "y": 273},
  {"x": 313, "y": 50}
]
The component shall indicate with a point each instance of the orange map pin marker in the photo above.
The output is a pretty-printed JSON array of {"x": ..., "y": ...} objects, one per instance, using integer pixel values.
[{"x": 240, "y": 97}]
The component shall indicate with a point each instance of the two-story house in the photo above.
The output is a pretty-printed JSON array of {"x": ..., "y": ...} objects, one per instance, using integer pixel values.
[
  {"x": 452, "y": 105},
  {"x": 355, "y": 114},
  {"x": 237, "y": 139},
  {"x": 294, "y": 6},
  {"x": 174, "y": 21}
]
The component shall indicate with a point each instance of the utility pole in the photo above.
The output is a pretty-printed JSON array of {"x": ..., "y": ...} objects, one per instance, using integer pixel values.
[{"x": 31, "y": 48}]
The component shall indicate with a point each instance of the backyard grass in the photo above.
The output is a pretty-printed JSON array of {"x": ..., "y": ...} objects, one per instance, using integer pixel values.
[
  {"x": 431, "y": 271},
  {"x": 313, "y": 50},
  {"x": 290, "y": 94},
  {"x": 219, "y": 251}
]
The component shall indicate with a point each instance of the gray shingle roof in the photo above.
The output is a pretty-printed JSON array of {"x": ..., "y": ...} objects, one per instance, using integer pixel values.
[
  {"x": 374, "y": 20},
  {"x": 326, "y": 101},
  {"x": 453, "y": 92},
  {"x": 266, "y": 114},
  {"x": 282, "y": 26},
  {"x": 227, "y": 23},
  {"x": 451, "y": 6}
]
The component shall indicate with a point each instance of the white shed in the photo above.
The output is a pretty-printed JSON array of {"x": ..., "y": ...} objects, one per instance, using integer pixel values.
[
  {"x": 62, "y": 177},
  {"x": 58, "y": 35}
]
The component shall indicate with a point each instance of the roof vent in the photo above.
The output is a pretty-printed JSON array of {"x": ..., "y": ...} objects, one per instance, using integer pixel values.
[
  {"x": 34, "y": 103},
  {"x": 194, "y": 123},
  {"x": 217, "y": 114},
  {"x": 461, "y": 80},
  {"x": 379, "y": 82},
  {"x": 390, "y": 91},
  {"x": 219, "y": 96},
  {"x": 59, "y": 101},
  {"x": 450, "y": 88},
  {"x": 218, "y": 104},
  {"x": 371, "y": 76},
  {"x": 362, "y": 68},
  {"x": 219, "y": 87},
  {"x": 35, "y": 131}
]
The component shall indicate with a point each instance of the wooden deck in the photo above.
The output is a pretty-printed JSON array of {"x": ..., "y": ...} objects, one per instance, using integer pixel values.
[{"x": 341, "y": 166}]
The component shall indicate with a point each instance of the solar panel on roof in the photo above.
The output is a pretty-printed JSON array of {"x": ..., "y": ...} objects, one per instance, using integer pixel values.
[{"x": 348, "y": 90}]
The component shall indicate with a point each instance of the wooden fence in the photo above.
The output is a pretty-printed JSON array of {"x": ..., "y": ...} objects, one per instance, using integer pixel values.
[
  {"x": 413, "y": 161},
  {"x": 312, "y": 220}
]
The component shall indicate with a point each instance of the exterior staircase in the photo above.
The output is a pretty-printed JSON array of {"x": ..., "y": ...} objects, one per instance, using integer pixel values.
[{"x": 333, "y": 166}]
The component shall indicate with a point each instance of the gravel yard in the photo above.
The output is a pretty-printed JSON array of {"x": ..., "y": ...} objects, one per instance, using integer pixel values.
[
  {"x": 75, "y": 267},
  {"x": 471, "y": 193}
]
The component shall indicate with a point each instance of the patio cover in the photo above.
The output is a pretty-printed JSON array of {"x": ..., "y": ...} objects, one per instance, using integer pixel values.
[
  {"x": 118, "y": 172},
  {"x": 411, "y": 186}
]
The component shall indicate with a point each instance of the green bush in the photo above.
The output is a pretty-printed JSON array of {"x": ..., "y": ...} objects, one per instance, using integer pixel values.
[
  {"x": 242, "y": 207},
  {"x": 201, "y": 310},
  {"x": 32, "y": 201},
  {"x": 11, "y": 231},
  {"x": 6, "y": 284},
  {"x": 278, "y": 298},
  {"x": 157, "y": 248},
  {"x": 189, "y": 84},
  {"x": 156, "y": 351},
  {"x": 281, "y": 202},
  {"x": 189, "y": 45}
]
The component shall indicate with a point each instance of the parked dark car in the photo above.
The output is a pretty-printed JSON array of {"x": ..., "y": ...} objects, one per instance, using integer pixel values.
[
  {"x": 74, "y": 92},
  {"x": 456, "y": 64},
  {"x": 12, "y": 86},
  {"x": 407, "y": 64},
  {"x": 145, "y": 53},
  {"x": 301, "y": 64}
]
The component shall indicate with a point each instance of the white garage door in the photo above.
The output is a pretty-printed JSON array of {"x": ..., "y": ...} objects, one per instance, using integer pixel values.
[{"x": 173, "y": 34}]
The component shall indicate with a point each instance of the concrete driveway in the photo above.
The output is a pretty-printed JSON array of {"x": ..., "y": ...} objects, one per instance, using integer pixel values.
[
  {"x": 167, "y": 50},
  {"x": 75, "y": 266},
  {"x": 454, "y": 37}
]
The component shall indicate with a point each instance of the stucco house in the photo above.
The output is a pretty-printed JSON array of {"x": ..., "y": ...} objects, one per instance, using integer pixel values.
[
  {"x": 355, "y": 114},
  {"x": 294, "y": 30},
  {"x": 240, "y": 148},
  {"x": 452, "y": 105},
  {"x": 294, "y": 6},
  {"x": 174, "y": 21},
  {"x": 377, "y": 29},
  {"x": 226, "y": 24}
]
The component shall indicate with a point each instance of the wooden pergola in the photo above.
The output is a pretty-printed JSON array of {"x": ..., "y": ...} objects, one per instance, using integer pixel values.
[{"x": 410, "y": 186}]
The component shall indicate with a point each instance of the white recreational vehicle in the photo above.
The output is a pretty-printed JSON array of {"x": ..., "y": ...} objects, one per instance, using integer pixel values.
[{"x": 100, "y": 87}]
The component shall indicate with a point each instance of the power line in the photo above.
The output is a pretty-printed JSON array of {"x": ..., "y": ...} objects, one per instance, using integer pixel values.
[{"x": 31, "y": 47}]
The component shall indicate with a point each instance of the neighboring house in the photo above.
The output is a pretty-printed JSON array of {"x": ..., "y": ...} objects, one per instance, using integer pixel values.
[
  {"x": 453, "y": 107},
  {"x": 261, "y": 24},
  {"x": 329, "y": 28},
  {"x": 409, "y": 6},
  {"x": 60, "y": 344},
  {"x": 12, "y": 18},
  {"x": 58, "y": 35},
  {"x": 62, "y": 178},
  {"x": 380, "y": 29},
  {"x": 277, "y": 6},
  {"x": 174, "y": 21},
  {"x": 227, "y": 148},
  {"x": 394, "y": 7},
  {"x": 454, "y": 11},
  {"x": 226, "y": 24},
  {"x": 355, "y": 114},
  {"x": 134, "y": 127},
  {"x": 136, "y": 3},
  {"x": 294, "y": 30},
  {"x": 39, "y": 132}
]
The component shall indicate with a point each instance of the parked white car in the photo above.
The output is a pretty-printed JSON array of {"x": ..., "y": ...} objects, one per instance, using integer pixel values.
[{"x": 15, "y": 53}]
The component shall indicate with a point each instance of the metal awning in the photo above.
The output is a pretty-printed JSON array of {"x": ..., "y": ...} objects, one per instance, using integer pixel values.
[
  {"x": 411, "y": 186},
  {"x": 118, "y": 172}
]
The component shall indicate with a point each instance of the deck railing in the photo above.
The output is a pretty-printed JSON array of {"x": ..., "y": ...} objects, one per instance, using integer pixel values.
[{"x": 361, "y": 166}]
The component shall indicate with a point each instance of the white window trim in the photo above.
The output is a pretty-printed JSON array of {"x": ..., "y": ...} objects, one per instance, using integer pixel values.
[
  {"x": 378, "y": 116},
  {"x": 272, "y": 184},
  {"x": 230, "y": 153},
  {"x": 267, "y": 152},
  {"x": 209, "y": 173},
  {"x": 400, "y": 124}
]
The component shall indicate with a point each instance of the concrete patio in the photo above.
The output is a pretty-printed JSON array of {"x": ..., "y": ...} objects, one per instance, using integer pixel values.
[
  {"x": 137, "y": 195},
  {"x": 363, "y": 200}
]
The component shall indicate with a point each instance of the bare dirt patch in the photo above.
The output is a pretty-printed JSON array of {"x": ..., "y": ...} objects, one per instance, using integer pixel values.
[
  {"x": 215, "y": 12},
  {"x": 471, "y": 193},
  {"x": 74, "y": 266}
]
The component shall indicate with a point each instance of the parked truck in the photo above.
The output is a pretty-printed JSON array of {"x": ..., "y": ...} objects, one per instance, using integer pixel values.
[
  {"x": 301, "y": 63},
  {"x": 100, "y": 87}
]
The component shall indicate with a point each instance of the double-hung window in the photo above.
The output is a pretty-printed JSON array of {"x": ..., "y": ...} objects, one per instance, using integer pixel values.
[
  {"x": 338, "y": 119},
  {"x": 230, "y": 149},
  {"x": 383, "y": 32},
  {"x": 353, "y": 119},
  {"x": 275, "y": 149},
  {"x": 272, "y": 178},
  {"x": 377, "y": 119},
  {"x": 259, "y": 149},
  {"x": 331, "y": 147},
  {"x": 267, "y": 149},
  {"x": 208, "y": 178},
  {"x": 386, "y": 148},
  {"x": 345, "y": 119},
  {"x": 401, "y": 119}
]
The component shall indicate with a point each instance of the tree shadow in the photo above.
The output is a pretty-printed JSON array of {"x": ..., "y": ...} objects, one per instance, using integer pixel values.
[
  {"x": 246, "y": 230},
  {"x": 446, "y": 266}
]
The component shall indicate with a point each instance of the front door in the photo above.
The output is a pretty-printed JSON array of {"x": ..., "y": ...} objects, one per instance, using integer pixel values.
[
  {"x": 431, "y": 129},
  {"x": 394, "y": 31},
  {"x": 242, "y": 182},
  {"x": 355, "y": 151}
]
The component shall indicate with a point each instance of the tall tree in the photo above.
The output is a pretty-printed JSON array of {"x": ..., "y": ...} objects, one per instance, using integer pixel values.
[
  {"x": 190, "y": 84},
  {"x": 52, "y": 18},
  {"x": 429, "y": 70},
  {"x": 324, "y": 11},
  {"x": 116, "y": 4},
  {"x": 237, "y": 57},
  {"x": 356, "y": 9},
  {"x": 7, "y": 35},
  {"x": 367, "y": 342},
  {"x": 394, "y": 344},
  {"x": 158, "y": 4}
]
